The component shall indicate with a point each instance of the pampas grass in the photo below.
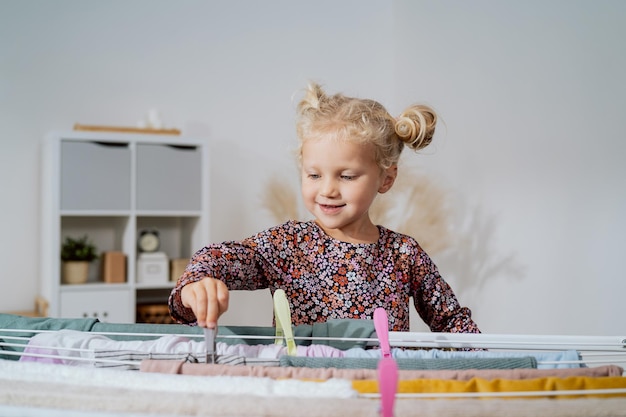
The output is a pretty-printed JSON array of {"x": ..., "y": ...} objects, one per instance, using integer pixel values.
[
  {"x": 280, "y": 200},
  {"x": 415, "y": 206}
]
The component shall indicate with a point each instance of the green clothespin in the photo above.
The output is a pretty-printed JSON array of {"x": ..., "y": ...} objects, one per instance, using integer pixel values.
[{"x": 282, "y": 316}]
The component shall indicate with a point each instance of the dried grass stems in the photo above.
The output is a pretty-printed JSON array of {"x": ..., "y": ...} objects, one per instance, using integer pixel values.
[
  {"x": 415, "y": 206},
  {"x": 280, "y": 199},
  {"x": 418, "y": 207}
]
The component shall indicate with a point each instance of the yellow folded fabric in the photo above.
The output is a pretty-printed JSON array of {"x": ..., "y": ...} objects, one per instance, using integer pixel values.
[{"x": 478, "y": 385}]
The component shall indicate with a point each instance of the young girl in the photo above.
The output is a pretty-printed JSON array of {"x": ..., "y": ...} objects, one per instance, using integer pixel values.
[{"x": 339, "y": 265}]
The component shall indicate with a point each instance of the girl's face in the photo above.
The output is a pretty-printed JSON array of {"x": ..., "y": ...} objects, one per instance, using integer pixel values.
[{"x": 340, "y": 180}]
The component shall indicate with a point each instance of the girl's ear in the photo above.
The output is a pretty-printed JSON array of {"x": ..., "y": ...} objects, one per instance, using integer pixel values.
[{"x": 388, "y": 178}]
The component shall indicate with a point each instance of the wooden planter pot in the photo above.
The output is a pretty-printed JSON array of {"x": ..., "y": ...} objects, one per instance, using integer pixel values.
[{"x": 75, "y": 272}]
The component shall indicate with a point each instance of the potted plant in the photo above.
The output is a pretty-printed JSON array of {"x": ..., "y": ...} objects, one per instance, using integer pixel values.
[{"x": 76, "y": 255}]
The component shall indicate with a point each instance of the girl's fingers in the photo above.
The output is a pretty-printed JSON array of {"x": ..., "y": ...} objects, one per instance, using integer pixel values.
[
  {"x": 200, "y": 301},
  {"x": 223, "y": 297},
  {"x": 217, "y": 302},
  {"x": 194, "y": 297},
  {"x": 212, "y": 306},
  {"x": 208, "y": 299}
]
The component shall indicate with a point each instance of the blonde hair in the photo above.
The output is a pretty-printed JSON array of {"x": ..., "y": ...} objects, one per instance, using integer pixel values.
[{"x": 364, "y": 121}]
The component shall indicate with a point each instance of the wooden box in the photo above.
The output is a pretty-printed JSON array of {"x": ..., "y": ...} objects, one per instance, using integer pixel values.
[
  {"x": 177, "y": 267},
  {"x": 113, "y": 267}
]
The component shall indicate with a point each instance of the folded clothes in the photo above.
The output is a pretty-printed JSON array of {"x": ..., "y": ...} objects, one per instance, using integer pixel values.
[
  {"x": 82, "y": 348},
  {"x": 71, "y": 347},
  {"x": 338, "y": 333},
  {"x": 545, "y": 360},
  {"x": 277, "y": 372},
  {"x": 131, "y": 360},
  {"x": 340, "y": 336},
  {"x": 412, "y": 363},
  {"x": 478, "y": 385}
]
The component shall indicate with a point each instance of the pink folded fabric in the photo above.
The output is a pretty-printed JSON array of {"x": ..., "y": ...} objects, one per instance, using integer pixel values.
[{"x": 181, "y": 367}]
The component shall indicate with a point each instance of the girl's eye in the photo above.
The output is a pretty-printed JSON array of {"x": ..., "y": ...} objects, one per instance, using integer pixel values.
[
  {"x": 348, "y": 177},
  {"x": 313, "y": 176}
]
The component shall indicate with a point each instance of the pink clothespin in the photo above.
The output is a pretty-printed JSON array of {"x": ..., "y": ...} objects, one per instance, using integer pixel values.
[
  {"x": 381, "y": 324},
  {"x": 387, "y": 366}
]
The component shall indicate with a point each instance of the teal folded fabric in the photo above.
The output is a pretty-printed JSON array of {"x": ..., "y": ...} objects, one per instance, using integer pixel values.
[
  {"x": 346, "y": 329},
  {"x": 343, "y": 329},
  {"x": 339, "y": 329},
  {"x": 10, "y": 321},
  {"x": 412, "y": 364},
  {"x": 151, "y": 330},
  {"x": 267, "y": 332}
]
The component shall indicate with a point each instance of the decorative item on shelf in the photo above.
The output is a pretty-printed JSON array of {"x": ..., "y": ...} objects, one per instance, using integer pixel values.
[
  {"x": 76, "y": 255},
  {"x": 151, "y": 264},
  {"x": 152, "y": 268},
  {"x": 113, "y": 267},
  {"x": 177, "y": 267},
  {"x": 149, "y": 241},
  {"x": 151, "y": 121}
]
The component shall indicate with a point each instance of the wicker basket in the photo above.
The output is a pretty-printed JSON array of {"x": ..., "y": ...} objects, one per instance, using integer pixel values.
[{"x": 153, "y": 313}]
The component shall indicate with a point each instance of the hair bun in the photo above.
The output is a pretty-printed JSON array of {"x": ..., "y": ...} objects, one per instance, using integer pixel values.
[
  {"x": 312, "y": 97},
  {"x": 416, "y": 126}
]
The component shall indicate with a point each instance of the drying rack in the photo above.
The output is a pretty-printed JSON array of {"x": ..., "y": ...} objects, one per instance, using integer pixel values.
[{"x": 389, "y": 388}]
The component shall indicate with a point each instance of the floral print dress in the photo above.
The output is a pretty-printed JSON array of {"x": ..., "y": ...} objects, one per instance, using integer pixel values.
[{"x": 325, "y": 278}]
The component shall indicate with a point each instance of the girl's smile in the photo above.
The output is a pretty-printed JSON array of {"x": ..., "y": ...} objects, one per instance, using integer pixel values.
[
  {"x": 331, "y": 209},
  {"x": 340, "y": 179}
]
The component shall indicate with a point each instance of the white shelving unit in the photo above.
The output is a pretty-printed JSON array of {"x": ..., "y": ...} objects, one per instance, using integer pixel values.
[{"x": 110, "y": 187}]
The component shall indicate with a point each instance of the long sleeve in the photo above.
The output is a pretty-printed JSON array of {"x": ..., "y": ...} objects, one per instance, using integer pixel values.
[
  {"x": 325, "y": 278},
  {"x": 435, "y": 301},
  {"x": 237, "y": 264}
]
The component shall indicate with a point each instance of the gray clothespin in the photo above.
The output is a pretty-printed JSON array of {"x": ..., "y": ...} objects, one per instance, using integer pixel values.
[{"x": 209, "y": 340}]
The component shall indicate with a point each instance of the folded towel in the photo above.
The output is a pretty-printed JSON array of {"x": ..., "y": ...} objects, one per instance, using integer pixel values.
[{"x": 451, "y": 363}]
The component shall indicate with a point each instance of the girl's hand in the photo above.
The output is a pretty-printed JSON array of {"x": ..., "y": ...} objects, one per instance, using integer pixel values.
[{"x": 207, "y": 298}]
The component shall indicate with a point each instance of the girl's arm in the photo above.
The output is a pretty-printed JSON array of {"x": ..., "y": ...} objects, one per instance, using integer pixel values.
[
  {"x": 436, "y": 302},
  {"x": 235, "y": 264}
]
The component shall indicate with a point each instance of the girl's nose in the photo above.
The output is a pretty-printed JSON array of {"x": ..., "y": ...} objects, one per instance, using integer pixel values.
[{"x": 328, "y": 188}]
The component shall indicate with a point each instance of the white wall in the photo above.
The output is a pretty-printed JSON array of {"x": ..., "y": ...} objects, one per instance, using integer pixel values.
[
  {"x": 531, "y": 94},
  {"x": 223, "y": 70}
]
